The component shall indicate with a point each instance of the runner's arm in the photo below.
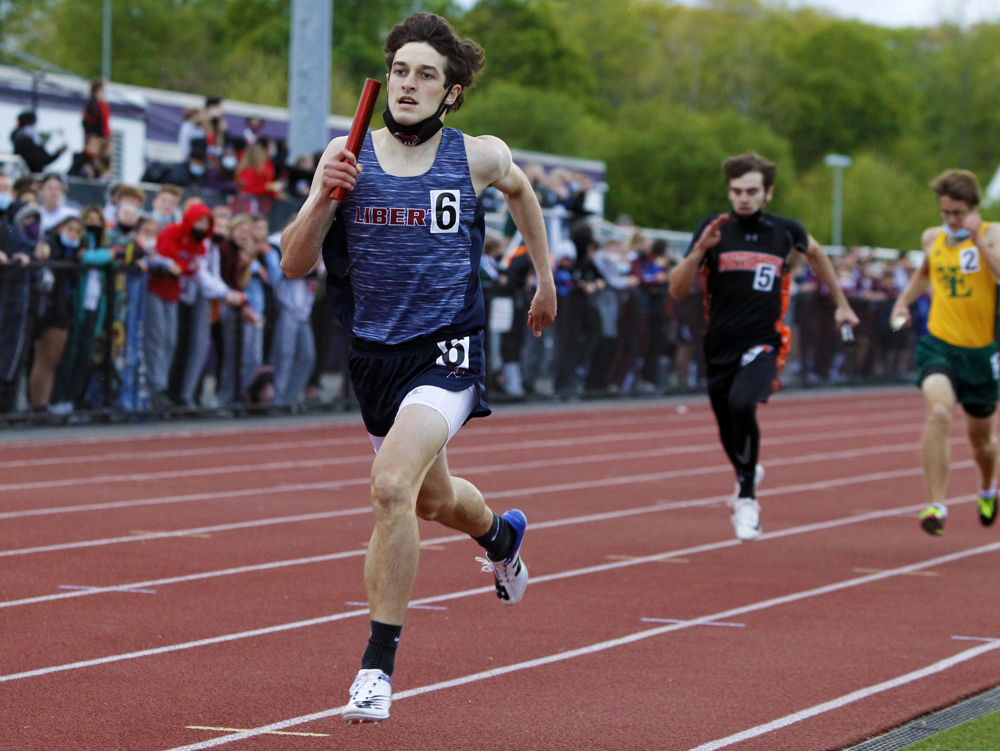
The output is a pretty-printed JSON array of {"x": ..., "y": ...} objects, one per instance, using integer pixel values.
[
  {"x": 302, "y": 240},
  {"x": 918, "y": 285},
  {"x": 682, "y": 275},
  {"x": 495, "y": 161},
  {"x": 820, "y": 262},
  {"x": 989, "y": 249}
]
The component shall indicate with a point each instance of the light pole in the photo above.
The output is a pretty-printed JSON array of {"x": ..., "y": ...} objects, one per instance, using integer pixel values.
[
  {"x": 839, "y": 162},
  {"x": 106, "y": 42},
  {"x": 309, "y": 76}
]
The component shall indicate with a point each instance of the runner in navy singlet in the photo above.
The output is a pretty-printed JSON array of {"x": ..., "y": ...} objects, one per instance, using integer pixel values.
[
  {"x": 745, "y": 257},
  {"x": 402, "y": 255}
]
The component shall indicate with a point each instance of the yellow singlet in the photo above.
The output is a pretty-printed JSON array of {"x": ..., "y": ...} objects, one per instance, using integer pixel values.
[{"x": 964, "y": 302}]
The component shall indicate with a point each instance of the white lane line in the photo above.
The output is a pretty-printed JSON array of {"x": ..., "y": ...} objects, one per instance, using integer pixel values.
[
  {"x": 357, "y": 604},
  {"x": 641, "y": 635},
  {"x": 975, "y": 638},
  {"x": 665, "y": 412},
  {"x": 535, "y": 580},
  {"x": 850, "y": 698},
  {"x": 167, "y": 499},
  {"x": 602, "y": 439},
  {"x": 242, "y": 730},
  {"x": 520, "y": 492},
  {"x": 127, "y": 589},
  {"x": 710, "y": 623},
  {"x": 335, "y": 484},
  {"x": 185, "y": 532},
  {"x": 366, "y": 456}
]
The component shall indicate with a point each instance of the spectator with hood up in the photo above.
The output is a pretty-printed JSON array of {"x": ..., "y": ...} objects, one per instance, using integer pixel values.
[{"x": 179, "y": 245}]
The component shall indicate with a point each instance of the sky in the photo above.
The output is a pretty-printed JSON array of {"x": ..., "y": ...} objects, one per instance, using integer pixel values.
[{"x": 894, "y": 12}]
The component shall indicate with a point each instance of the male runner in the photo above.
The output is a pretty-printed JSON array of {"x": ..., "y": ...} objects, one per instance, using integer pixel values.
[
  {"x": 402, "y": 254},
  {"x": 958, "y": 359},
  {"x": 745, "y": 257}
]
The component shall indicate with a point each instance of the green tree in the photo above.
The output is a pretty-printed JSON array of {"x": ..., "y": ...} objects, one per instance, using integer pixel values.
[
  {"x": 839, "y": 94},
  {"x": 534, "y": 119},
  {"x": 525, "y": 45},
  {"x": 883, "y": 205},
  {"x": 664, "y": 164},
  {"x": 614, "y": 39}
]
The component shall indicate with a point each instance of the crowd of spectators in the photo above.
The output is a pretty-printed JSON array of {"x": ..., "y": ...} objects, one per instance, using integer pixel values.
[
  {"x": 619, "y": 332},
  {"x": 131, "y": 304},
  {"x": 248, "y": 167}
]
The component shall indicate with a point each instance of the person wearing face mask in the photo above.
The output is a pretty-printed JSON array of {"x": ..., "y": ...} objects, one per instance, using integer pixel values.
[
  {"x": 15, "y": 298},
  {"x": 88, "y": 310},
  {"x": 178, "y": 249},
  {"x": 126, "y": 220},
  {"x": 131, "y": 241},
  {"x": 54, "y": 310},
  {"x": 165, "y": 204},
  {"x": 121, "y": 194},
  {"x": 200, "y": 294},
  {"x": 191, "y": 173},
  {"x": 401, "y": 245},
  {"x": 957, "y": 360},
  {"x": 746, "y": 257}
]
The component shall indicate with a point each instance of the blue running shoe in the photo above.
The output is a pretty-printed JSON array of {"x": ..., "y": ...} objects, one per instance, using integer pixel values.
[{"x": 510, "y": 575}]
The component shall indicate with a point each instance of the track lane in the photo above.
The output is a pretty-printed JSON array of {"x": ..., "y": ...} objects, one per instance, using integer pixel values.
[{"x": 465, "y": 612}]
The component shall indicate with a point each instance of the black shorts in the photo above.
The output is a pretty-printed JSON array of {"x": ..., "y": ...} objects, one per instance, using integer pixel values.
[
  {"x": 383, "y": 374},
  {"x": 758, "y": 366}
]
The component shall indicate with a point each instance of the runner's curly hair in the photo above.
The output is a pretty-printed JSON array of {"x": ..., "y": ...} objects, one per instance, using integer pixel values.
[
  {"x": 737, "y": 166},
  {"x": 465, "y": 57}
]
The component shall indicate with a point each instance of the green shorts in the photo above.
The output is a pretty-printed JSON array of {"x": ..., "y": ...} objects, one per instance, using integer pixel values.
[{"x": 974, "y": 372}]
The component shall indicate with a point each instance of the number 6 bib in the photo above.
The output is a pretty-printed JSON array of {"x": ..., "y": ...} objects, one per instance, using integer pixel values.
[{"x": 445, "y": 207}]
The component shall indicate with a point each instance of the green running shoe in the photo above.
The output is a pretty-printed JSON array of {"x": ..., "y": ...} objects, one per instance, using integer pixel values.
[
  {"x": 987, "y": 509},
  {"x": 932, "y": 518}
]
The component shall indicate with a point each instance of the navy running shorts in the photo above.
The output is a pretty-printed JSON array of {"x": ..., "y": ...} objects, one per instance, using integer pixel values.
[{"x": 383, "y": 374}]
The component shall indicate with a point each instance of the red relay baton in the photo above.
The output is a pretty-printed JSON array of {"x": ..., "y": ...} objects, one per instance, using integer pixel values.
[{"x": 362, "y": 118}]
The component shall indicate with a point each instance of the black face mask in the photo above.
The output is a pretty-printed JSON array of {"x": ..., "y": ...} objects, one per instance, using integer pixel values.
[
  {"x": 749, "y": 220},
  {"x": 199, "y": 234},
  {"x": 418, "y": 133},
  {"x": 125, "y": 228},
  {"x": 95, "y": 234},
  {"x": 218, "y": 238}
]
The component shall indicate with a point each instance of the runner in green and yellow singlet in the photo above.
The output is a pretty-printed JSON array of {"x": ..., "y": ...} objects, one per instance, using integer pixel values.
[{"x": 958, "y": 360}]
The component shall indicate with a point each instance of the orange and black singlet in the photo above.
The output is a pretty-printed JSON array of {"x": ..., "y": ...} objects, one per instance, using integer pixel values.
[{"x": 747, "y": 283}]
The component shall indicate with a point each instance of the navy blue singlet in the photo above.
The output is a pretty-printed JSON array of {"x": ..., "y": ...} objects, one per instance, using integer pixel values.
[{"x": 402, "y": 256}]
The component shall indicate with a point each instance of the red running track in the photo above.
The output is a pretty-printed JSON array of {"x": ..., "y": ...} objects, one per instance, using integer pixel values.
[{"x": 203, "y": 588}]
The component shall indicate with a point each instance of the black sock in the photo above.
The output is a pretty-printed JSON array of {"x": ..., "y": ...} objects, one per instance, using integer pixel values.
[
  {"x": 747, "y": 486},
  {"x": 499, "y": 541},
  {"x": 381, "y": 651}
]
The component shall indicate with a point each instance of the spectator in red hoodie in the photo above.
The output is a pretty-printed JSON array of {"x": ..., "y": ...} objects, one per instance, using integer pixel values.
[{"x": 177, "y": 251}]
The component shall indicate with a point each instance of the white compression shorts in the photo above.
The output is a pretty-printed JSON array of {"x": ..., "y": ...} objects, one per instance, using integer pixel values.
[{"x": 454, "y": 406}]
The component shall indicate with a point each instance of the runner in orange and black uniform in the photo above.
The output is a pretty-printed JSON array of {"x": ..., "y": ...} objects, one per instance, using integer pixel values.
[{"x": 745, "y": 257}]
